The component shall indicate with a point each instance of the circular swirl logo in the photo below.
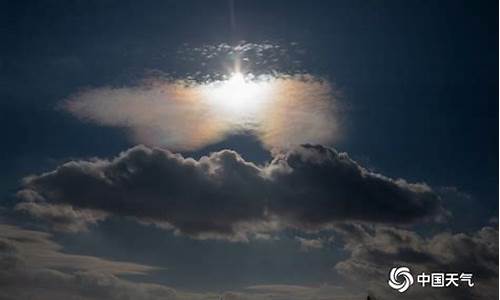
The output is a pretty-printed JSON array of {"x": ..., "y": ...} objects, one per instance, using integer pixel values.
[{"x": 400, "y": 279}]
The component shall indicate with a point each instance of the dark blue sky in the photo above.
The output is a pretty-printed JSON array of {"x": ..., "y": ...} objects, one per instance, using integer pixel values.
[{"x": 419, "y": 79}]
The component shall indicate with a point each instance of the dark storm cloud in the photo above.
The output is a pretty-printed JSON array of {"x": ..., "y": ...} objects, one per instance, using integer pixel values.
[
  {"x": 222, "y": 195},
  {"x": 315, "y": 185},
  {"x": 376, "y": 249},
  {"x": 209, "y": 195}
]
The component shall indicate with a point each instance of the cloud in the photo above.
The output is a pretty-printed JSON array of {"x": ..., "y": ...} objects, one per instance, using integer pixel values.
[
  {"x": 32, "y": 266},
  {"x": 54, "y": 285},
  {"x": 170, "y": 114},
  {"x": 215, "y": 60},
  {"x": 222, "y": 195},
  {"x": 296, "y": 292},
  {"x": 309, "y": 244},
  {"x": 376, "y": 249},
  {"x": 188, "y": 115},
  {"x": 279, "y": 288},
  {"x": 36, "y": 250},
  {"x": 315, "y": 185},
  {"x": 63, "y": 217},
  {"x": 302, "y": 110}
]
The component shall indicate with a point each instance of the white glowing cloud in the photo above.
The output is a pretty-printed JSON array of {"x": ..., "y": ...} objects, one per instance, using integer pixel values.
[
  {"x": 281, "y": 111},
  {"x": 238, "y": 96}
]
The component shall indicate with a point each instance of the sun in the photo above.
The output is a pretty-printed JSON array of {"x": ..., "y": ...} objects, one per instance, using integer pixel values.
[
  {"x": 235, "y": 88},
  {"x": 239, "y": 95}
]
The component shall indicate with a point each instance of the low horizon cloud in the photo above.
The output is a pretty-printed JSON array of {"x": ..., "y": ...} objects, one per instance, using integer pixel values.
[
  {"x": 374, "y": 249},
  {"x": 35, "y": 266}
]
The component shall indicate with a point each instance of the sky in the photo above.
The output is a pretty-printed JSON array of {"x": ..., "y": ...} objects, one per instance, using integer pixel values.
[{"x": 247, "y": 149}]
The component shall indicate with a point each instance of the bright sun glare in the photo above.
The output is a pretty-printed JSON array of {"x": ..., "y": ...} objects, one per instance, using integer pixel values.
[{"x": 239, "y": 95}]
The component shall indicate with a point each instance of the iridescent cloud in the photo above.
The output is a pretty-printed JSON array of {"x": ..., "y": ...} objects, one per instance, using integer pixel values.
[{"x": 281, "y": 110}]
